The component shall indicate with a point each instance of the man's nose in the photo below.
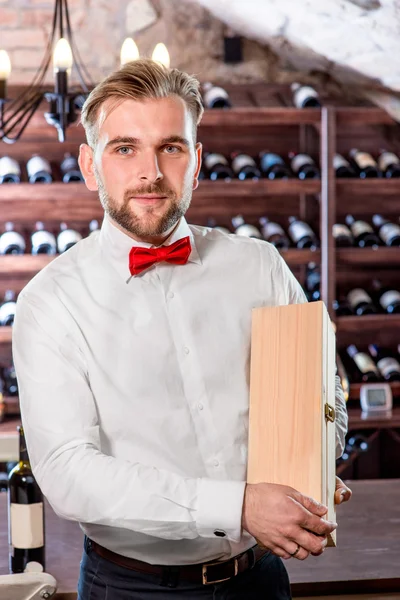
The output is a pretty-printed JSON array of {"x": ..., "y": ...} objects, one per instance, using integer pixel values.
[{"x": 149, "y": 169}]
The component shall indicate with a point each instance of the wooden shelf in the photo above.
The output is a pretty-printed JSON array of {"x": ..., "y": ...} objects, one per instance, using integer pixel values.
[
  {"x": 250, "y": 116},
  {"x": 5, "y": 335},
  {"x": 368, "y": 187},
  {"x": 356, "y": 420},
  {"x": 11, "y": 405},
  {"x": 378, "y": 329},
  {"x": 362, "y": 116},
  {"x": 369, "y": 257}
]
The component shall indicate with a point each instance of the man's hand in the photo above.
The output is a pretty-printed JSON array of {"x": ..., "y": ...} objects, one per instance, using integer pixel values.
[{"x": 342, "y": 493}]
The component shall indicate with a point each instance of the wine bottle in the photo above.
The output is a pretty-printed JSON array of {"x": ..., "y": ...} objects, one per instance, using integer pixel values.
[
  {"x": 366, "y": 165},
  {"x": 218, "y": 167},
  {"x": 245, "y": 167},
  {"x": 342, "y": 308},
  {"x": 387, "y": 297},
  {"x": 303, "y": 166},
  {"x": 389, "y": 164},
  {"x": 305, "y": 96},
  {"x": 11, "y": 242},
  {"x": 43, "y": 242},
  {"x": 8, "y": 308},
  {"x": 344, "y": 378},
  {"x": 388, "y": 365},
  {"x": 211, "y": 222},
  {"x": 70, "y": 169},
  {"x": 313, "y": 281},
  {"x": 301, "y": 234},
  {"x": 273, "y": 166},
  {"x": 362, "y": 232},
  {"x": 215, "y": 96},
  {"x": 388, "y": 232},
  {"x": 26, "y": 534},
  {"x": 244, "y": 229},
  {"x": 342, "y": 167},
  {"x": 67, "y": 238},
  {"x": 343, "y": 236},
  {"x": 357, "y": 443},
  {"x": 360, "y": 302},
  {"x": 366, "y": 369},
  {"x": 10, "y": 381},
  {"x": 10, "y": 171},
  {"x": 93, "y": 226},
  {"x": 39, "y": 170},
  {"x": 274, "y": 234}
]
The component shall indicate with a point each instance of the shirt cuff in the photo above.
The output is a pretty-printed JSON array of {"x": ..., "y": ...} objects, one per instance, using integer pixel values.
[{"x": 220, "y": 505}]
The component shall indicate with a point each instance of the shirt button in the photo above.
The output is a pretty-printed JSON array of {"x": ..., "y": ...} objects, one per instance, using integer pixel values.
[
  {"x": 200, "y": 406},
  {"x": 171, "y": 294},
  {"x": 186, "y": 350},
  {"x": 216, "y": 462},
  {"x": 219, "y": 533}
]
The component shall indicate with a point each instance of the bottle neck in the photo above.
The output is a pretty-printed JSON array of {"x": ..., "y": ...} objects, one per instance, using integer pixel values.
[{"x": 23, "y": 452}]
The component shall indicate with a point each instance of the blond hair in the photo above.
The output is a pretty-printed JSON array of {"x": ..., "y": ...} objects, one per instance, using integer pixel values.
[{"x": 140, "y": 79}]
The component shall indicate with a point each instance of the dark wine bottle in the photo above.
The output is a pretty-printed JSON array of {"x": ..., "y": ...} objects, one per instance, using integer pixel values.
[
  {"x": 388, "y": 232},
  {"x": 342, "y": 308},
  {"x": 8, "y": 308},
  {"x": 273, "y": 166},
  {"x": 10, "y": 381},
  {"x": 274, "y": 234},
  {"x": 70, "y": 169},
  {"x": 244, "y": 229},
  {"x": 67, "y": 238},
  {"x": 93, "y": 226},
  {"x": 11, "y": 242},
  {"x": 39, "y": 170},
  {"x": 211, "y": 222},
  {"x": 218, "y": 167},
  {"x": 26, "y": 534},
  {"x": 389, "y": 164},
  {"x": 305, "y": 96},
  {"x": 388, "y": 298},
  {"x": 43, "y": 242},
  {"x": 301, "y": 234},
  {"x": 303, "y": 166},
  {"x": 313, "y": 281},
  {"x": 342, "y": 167},
  {"x": 343, "y": 236},
  {"x": 366, "y": 165},
  {"x": 362, "y": 232},
  {"x": 215, "y": 96},
  {"x": 245, "y": 167},
  {"x": 10, "y": 171},
  {"x": 366, "y": 369},
  {"x": 360, "y": 302},
  {"x": 388, "y": 365}
]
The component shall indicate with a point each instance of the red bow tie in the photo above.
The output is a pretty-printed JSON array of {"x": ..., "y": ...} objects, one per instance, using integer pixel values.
[{"x": 143, "y": 258}]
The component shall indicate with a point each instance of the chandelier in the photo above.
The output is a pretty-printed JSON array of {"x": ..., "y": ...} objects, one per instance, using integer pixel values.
[{"x": 64, "y": 102}]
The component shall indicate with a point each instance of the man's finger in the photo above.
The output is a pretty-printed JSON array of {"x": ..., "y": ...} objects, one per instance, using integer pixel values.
[{"x": 310, "y": 504}]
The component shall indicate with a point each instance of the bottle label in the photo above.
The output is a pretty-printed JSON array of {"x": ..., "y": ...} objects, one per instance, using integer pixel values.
[
  {"x": 215, "y": 159},
  {"x": 7, "y": 309},
  {"x": 69, "y": 164},
  {"x": 389, "y": 231},
  {"x": 386, "y": 159},
  {"x": 300, "y": 160},
  {"x": 43, "y": 237},
  {"x": 389, "y": 298},
  {"x": 215, "y": 93},
  {"x": 365, "y": 363},
  {"x": 66, "y": 237},
  {"x": 36, "y": 164},
  {"x": 242, "y": 160},
  {"x": 9, "y": 166},
  {"x": 364, "y": 159},
  {"x": 360, "y": 227},
  {"x": 270, "y": 229},
  {"x": 248, "y": 231},
  {"x": 299, "y": 229},
  {"x": 269, "y": 160},
  {"x": 357, "y": 296},
  {"x": 339, "y": 229},
  {"x": 11, "y": 238},
  {"x": 387, "y": 365},
  {"x": 26, "y": 525},
  {"x": 303, "y": 93},
  {"x": 340, "y": 161}
]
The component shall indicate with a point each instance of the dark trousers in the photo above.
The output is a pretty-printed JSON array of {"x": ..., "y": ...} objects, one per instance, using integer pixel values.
[{"x": 101, "y": 579}]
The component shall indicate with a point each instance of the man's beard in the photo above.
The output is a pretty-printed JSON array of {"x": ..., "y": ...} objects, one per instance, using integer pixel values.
[{"x": 148, "y": 224}]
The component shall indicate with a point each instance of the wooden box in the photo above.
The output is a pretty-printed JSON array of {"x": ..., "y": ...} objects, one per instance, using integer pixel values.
[{"x": 292, "y": 401}]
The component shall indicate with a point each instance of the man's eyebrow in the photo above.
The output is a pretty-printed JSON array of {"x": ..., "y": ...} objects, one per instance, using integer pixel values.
[
  {"x": 123, "y": 140},
  {"x": 175, "y": 139}
]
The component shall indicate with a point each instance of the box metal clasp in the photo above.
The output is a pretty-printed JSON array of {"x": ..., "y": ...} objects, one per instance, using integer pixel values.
[{"x": 330, "y": 414}]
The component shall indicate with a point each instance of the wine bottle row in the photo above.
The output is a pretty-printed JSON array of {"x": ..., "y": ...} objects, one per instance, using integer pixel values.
[
  {"x": 303, "y": 96},
  {"x": 39, "y": 170},
  {"x": 372, "y": 364},
  {"x": 8, "y": 381},
  {"x": 42, "y": 241}
]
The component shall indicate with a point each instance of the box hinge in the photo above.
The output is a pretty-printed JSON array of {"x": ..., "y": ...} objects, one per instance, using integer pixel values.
[{"x": 330, "y": 414}]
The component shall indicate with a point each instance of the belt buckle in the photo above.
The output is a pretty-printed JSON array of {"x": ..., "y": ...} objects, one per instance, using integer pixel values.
[{"x": 205, "y": 577}]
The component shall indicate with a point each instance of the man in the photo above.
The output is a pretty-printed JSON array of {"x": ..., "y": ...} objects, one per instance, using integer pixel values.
[{"x": 132, "y": 355}]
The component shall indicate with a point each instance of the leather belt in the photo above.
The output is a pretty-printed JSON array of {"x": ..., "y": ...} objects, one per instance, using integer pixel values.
[{"x": 205, "y": 573}]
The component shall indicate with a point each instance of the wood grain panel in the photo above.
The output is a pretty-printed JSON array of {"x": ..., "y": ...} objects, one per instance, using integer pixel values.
[
  {"x": 369, "y": 257},
  {"x": 377, "y": 329}
]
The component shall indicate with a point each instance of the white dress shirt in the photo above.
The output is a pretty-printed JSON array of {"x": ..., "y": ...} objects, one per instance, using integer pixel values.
[{"x": 134, "y": 391}]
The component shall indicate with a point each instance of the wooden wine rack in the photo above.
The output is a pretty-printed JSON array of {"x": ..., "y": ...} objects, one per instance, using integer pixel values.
[{"x": 262, "y": 119}]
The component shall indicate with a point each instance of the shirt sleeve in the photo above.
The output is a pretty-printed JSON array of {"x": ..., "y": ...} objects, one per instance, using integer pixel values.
[
  {"x": 296, "y": 295},
  {"x": 63, "y": 437}
]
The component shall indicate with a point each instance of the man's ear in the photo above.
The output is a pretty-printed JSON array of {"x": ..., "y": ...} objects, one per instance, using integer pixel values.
[
  {"x": 86, "y": 164},
  {"x": 199, "y": 152}
]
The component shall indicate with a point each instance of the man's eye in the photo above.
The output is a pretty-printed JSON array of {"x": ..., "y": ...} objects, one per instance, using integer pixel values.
[
  {"x": 123, "y": 150},
  {"x": 172, "y": 149}
]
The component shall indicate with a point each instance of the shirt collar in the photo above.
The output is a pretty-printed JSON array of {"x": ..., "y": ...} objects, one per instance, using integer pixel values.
[{"x": 117, "y": 244}]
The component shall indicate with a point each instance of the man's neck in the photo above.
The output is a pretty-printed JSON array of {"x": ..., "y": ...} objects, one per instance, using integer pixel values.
[{"x": 154, "y": 240}]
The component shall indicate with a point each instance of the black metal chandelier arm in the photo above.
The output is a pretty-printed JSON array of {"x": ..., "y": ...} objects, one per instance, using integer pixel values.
[
  {"x": 11, "y": 120},
  {"x": 30, "y": 110},
  {"x": 78, "y": 63}
]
